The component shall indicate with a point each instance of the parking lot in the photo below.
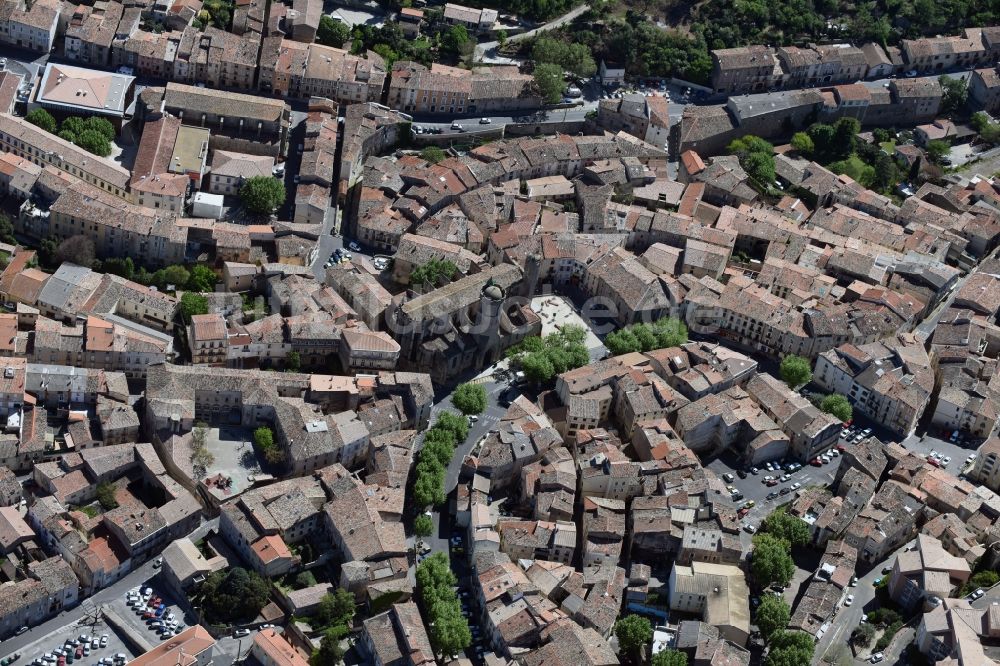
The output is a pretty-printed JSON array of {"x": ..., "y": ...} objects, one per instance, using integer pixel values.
[
  {"x": 956, "y": 453},
  {"x": 134, "y": 614},
  {"x": 61, "y": 647},
  {"x": 767, "y": 498}
]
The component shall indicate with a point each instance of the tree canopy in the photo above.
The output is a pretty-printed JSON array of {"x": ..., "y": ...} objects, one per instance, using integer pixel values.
[
  {"x": 772, "y": 615},
  {"x": 665, "y": 332},
  {"x": 234, "y": 594},
  {"x": 569, "y": 55},
  {"x": 771, "y": 561},
  {"x": 634, "y": 633},
  {"x": 193, "y": 304},
  {"x": 432, "y": 272},
  {"x": 790, "y": 648},
  {"x": 756, "y": 157},
  {"x": 541, "y": 359},
  {"x": 469, "y": 398},
  {"x": 549, "y": 79},
  {"x": 668, "y": 657},
  {"x": 436, "y": 583},
  {"x": 332, "y": 33},
  {"x": 782, "y": 525},
  {"x": 336, "y": 609},
  {"x": 41, "y": 118},
  {"x": 795, "y": 370},
  {"x": 838, "y": 405},
  {"x": 432, "y": 154},
  {"x": 954, "y": 93},
  {"x": 262, "y": 194},
  {"x": 803, "y": 143},
  {"x": 423, "y": 525}
]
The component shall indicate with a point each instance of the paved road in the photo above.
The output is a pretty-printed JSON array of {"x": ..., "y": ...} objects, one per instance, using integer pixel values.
[{"x": 847, "y": 618}]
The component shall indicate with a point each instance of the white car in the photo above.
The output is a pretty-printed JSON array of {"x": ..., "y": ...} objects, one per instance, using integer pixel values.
[
  {"x": 849, "y": 600},
  {"x": 796, "y": 485},
  {"x": 877, "y": 657},
  {"x": 945, "y": 460},
  {"x": 354, "y": 247},
  {"x": 485, "y": 121}
]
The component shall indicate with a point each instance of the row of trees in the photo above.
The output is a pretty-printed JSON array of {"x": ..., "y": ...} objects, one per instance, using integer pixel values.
[
  {"x": 436, "y": 585},
  {"x": 541, "y": 359},
  {"x": 93, "y": 134},
  {"x": 665, "y": 332},
  {"x": 772, "y": 560},
  {"x": 439, "y": 447}
]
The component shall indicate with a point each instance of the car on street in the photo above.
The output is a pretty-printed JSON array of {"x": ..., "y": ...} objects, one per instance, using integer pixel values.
[
  {"x": 877, "y": 657},
  {"x": 755, "y": 471},
  {"x": 785, "y": 478},
  {"x": 849, "y": 600},
  {"x": 796, "y": 485},
  {"x": 786, "y": 490},
  {"x": 157, "y": 563},
  {"x": 740, "y": 473},
  {"x": 3, "y": 62},
  {"x": 877, "y": 581},
  {"x": 456, "y": 126},
  {"x": 749, "y": 504},
  {"x": 727, "y": 477},
  {"x": 771, "y": 496},
  {"x": 241, "y": 633},
  {"x": 748, "y": 528},
  {"x": 485, "y": 121},
  {"x": 772, "y": 482},
  {"x": 854, "y": 581},
  {"x": 20, "y": 631},
  {"x": 353, "y": 247}
]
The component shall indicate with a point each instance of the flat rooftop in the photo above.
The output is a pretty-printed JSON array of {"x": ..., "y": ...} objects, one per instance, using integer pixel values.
[{"x": 190, "y": 150}]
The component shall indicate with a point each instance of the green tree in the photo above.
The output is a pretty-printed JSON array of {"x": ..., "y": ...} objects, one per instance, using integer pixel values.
[
  {"x": 193, "y": 304},
  {"x": 432, "y": 272},
  {"x": 668, "y": 657},
  {"x": 75, "y": 125},
  {"x": 201, "y": 278},
  {"x": 293, "y": 361},
  {"x": 453, "y": 423},
  {"x": 984, "y": 579},
  {"x": 6, "y": 230},
  {"x": 332, "y": 33},
  {"x": 423, "y": 525},
  {"x": 428, "y": 486},
  {"x": 262, "y": 194},
  {"x": 541, "y": 359},
  {"x": 862, "y": 636},
  {"x": 432, "y": 154},
  {"x": 263, "y": 438},
  {"x": 634, "y": 633},
  {"x": 782, "y": 525},
  {"x": 329, "y": 653},
  {"x": 106, "y": 496},
  {"x": 67, "y": 135},
  {"x": 837, "y": 405},
  {"x": 803, "y": 143},
  {"x": 795, "y": 370},
  {"x": 549, "y": 79},
  {"x": 234, "y": 594},
  {"x": 501, "y": 38},
  {"x": 100, "y": 125},
  {"x": 449, "y": 631},
  {"x": 171, "y": 277},
  {"x": 772, "y": 615},
  {"x": 336, "y": 609},
  {"x": 43, "y": 119},
  {"x": 845, "y": 137},
  {"x": 456, "y": 41},
  {"x": 570, "y": 56},
  {"x": 954, "y": 93},
  {"x": 469, "y": 398},
  {"x": 937, "y": 150},
  {"x": 756, "y": 157},
  {"x": 305, "y": 579},
  {"x": 94, "y": 142},
  {"x": 771, "y": 561},
  {"x": 790, "y": 648}
]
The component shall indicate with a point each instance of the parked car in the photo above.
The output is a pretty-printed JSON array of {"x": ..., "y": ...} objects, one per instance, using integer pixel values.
[
  {"x": 849, "y": 600},
  {"x": 877, "y": 657},
  {"x": 241, "y": 633}
]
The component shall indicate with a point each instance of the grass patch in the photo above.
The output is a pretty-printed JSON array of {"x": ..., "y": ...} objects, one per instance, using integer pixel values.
[{"x": 889, "y": 146}]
